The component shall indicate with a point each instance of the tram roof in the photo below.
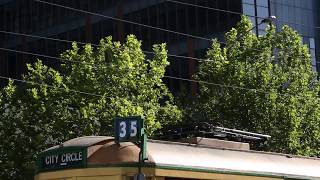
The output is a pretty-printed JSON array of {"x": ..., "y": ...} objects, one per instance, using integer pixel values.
[{"x": 103, "y": 151}]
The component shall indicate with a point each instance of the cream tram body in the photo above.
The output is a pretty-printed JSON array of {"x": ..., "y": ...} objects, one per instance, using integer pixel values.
[{"x": 100, "y": 158}]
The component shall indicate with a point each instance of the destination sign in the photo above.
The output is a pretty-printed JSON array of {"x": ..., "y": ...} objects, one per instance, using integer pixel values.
[{"x": 67, "y": 157}]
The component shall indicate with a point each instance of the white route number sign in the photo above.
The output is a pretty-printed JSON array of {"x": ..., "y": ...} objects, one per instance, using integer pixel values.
[{"x": 127, "y": 129}]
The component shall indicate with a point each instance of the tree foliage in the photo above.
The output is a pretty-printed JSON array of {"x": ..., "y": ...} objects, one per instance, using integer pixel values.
[
  {"x": 82, "y": 97},
  {"x": 268, "y": 86}
]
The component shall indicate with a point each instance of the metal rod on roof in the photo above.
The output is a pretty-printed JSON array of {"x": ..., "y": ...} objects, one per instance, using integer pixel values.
[{"x": 243, "y": 132}]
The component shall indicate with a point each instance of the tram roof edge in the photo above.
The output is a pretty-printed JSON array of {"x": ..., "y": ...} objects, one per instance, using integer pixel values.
[{"x": 84, "y": 141}]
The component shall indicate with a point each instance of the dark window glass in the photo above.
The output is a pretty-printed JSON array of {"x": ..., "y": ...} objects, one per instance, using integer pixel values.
[
  {"x": 262, "y": 12},
  {"x": 263, "y": 3},
  {"x": 248, "y": 9},
  {"x": 248, "y": 1}
]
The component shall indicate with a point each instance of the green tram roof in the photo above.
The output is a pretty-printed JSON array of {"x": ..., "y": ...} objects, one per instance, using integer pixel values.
[{"x": 103, "y": 151}]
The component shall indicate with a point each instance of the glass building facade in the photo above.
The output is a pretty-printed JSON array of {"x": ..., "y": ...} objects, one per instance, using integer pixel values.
[
  {"x": 302, "y": 15},
  {"x": 30, "y": 17},
  {"x": 184, "y": 16}
]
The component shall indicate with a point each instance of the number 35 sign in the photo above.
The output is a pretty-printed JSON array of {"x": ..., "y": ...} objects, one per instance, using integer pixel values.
[{"x": 128, "y": 129}]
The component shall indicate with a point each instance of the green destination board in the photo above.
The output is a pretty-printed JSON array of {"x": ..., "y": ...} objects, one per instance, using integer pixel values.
[{"x": 63, "y": 158}]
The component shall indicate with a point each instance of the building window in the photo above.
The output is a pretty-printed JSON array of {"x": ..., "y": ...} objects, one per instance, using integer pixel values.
[
  {"x": 263, "y": 3},
  {"x": 313, "y": 53},
  {"x": 256, "y": 10}
]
